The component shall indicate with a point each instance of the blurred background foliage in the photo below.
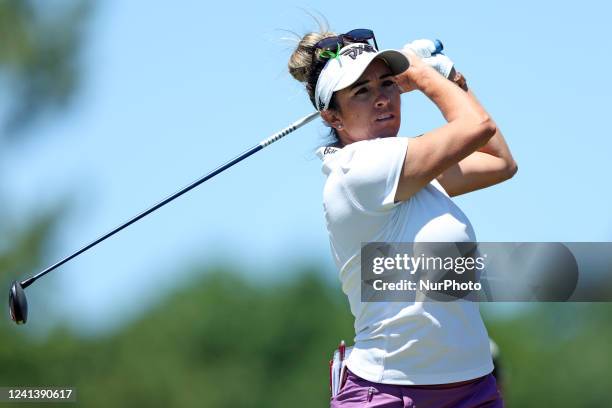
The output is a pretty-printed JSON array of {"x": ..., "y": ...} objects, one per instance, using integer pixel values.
[
  {"x": 40, "y": 45},
  {"x": 219, "y": 342},
  {"x": 223, "y": 341},
  {"x": 39, "y": 50}
]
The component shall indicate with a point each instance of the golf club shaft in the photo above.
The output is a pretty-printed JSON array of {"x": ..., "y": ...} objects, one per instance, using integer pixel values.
[{"x": 266, "y": 142}]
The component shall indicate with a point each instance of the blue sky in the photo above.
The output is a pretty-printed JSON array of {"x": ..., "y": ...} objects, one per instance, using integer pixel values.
[{"x": 170, "y": 92}]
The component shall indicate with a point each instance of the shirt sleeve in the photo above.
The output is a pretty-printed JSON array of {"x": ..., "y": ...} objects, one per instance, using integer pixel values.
[
  {"x": 437, "y": 185},
  {"x": 371, "y": 170}
]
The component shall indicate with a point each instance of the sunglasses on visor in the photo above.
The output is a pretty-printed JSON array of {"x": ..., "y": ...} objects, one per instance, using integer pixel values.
[{"x": 330, "y": 46}]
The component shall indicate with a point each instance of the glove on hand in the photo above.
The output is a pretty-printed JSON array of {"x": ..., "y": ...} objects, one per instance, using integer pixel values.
[{"x": 426, "y": 50}]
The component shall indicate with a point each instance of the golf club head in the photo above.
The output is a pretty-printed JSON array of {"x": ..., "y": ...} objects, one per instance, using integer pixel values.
[{"x": 18, "y": 304}]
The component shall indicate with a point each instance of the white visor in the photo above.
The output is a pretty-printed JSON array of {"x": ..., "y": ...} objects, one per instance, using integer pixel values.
[{"x": 347, "y": 67}]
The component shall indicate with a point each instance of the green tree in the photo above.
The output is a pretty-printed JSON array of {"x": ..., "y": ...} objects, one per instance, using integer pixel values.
[
  {"x": 219, "y": 342},
  {"x": 39, "y": 55}
]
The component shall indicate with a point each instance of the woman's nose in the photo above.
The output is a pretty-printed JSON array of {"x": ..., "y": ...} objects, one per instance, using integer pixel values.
[{"x": 382, "y": 100}]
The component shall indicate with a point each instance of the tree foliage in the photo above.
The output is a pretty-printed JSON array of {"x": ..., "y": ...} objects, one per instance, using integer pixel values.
[
  {"x": 39, "y": 53},
  {"x": 219, "y": 342}
]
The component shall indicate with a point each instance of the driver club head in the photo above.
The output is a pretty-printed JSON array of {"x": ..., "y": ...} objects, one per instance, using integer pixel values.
[{"x": 18, "y": 304}]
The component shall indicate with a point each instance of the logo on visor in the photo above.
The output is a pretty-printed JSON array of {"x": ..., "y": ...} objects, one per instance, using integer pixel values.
[{"x": 354, "y": 52}]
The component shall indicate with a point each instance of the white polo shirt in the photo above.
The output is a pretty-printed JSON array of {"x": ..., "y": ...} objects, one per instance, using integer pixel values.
[{"x": 398, "y": 342}]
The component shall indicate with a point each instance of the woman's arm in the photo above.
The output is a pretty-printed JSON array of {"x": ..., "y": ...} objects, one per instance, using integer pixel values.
[
  {"x": 491, "y": 164},
  {"x": 469, "y": 128}
]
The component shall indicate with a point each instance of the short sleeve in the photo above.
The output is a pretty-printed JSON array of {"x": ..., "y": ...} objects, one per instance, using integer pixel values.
[
  {"x": 371, "y": 170},
  {"x": 437, "y": 185}
]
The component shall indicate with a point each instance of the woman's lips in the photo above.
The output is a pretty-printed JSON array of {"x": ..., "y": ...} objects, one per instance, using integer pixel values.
[{"x": 384, "y": 117}]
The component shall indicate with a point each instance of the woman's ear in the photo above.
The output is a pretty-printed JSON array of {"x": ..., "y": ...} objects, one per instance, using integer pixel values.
[{"x": 332, "y": 118}]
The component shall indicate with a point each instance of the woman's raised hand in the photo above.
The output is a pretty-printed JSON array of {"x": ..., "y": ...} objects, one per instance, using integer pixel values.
[
  {"x": 406, "y": 80},
  {"x": 430, "y": 53},
  {"x": 422, "y": 53}
]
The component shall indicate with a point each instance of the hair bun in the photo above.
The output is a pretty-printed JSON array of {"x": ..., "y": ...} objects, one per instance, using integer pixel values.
[{"x": 302, "y": 61}]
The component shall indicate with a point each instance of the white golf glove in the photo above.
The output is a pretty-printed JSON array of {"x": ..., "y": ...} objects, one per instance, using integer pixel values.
[{"x": 424, "y": 49}]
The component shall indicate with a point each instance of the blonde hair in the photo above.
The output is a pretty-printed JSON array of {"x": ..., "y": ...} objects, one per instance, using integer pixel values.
[{"x": 305, "y": 64}]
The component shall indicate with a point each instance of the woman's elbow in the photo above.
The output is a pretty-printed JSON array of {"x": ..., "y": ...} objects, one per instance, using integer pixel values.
[
  {"x": 511, "y": 169},
  {"x": 486, "y": 129},
  {"x": 490, "y": 127}
]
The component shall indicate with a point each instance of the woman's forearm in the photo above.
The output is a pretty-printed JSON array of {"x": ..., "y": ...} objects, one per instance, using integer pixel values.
[
  {"x": 453, "y": 103},
  {"x": 451, "y": 100},
  {"x": 496, "y": 146}
]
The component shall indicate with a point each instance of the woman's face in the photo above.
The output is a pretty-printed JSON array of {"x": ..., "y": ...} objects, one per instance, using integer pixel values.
[{"x": 369, "y": 108}]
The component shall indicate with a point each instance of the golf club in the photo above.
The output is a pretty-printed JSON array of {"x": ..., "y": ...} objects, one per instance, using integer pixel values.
[{"x": 18, "y": 304}]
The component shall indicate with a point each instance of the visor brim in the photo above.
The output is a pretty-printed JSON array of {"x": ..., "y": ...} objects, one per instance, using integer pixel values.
[{"x": 395, "y": 60}]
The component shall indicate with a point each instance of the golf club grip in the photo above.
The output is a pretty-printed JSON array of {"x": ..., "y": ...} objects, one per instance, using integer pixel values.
[
  {"x": 439, "y": 46},
  {"x": 266, "y": 142},
  {"x": 294, "y": 126}
]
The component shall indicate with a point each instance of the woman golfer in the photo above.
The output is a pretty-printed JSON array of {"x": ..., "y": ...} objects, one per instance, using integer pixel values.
[{"x": 381, "y": 187}]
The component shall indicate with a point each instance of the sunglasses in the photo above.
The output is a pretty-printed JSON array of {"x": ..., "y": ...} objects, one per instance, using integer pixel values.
[{"x": 330, "y": 46}]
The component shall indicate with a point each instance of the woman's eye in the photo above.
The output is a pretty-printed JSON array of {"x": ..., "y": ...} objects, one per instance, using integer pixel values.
[
  {"x": 361, "y": 91},
  {"x": 388, "y": 83}
]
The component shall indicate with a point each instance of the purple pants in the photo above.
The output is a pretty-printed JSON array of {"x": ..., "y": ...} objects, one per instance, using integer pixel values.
[{"x": 357, "y": 392}]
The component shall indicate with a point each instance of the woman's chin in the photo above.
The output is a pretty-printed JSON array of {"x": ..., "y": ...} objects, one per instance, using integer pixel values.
[{"x": 387, "y": 131}]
